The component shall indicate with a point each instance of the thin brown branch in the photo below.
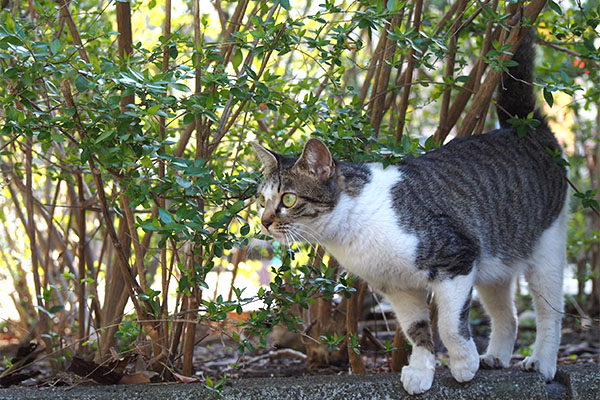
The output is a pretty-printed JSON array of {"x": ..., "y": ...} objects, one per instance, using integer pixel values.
[
  {"x": 50, "y": 218},
  {"x": 221, "y": 132},
  {"x": 125, "y": 40},
  {"x": 137, "y": 247},
  {"x": 377, "y": 54},
  {"x": 81, "y": 254},
  {"x": 234, "y": 25},
  {"x": 481, "y": 123},
  {"x": 399, "y": 355},
  {"x": 356, "y": 361},
  {"x": 68, "y": 18},
  {"x": 132, "y": 286},
  {"x": 184, "y": 139},
  {"x": 44, "y": 326},
  {"x": 384, "y": 72},
  {"x": 165, "y": 275},
  {"x": 409, "y": 72},
  {"x": 449, "y": 73},
  {"x": 568, "y": 51},
  {"x": 448, "y": 91},
  {"x": 222, "y": 17},
  {"x": 484, "y": 94},
  {"x": 487, "y": 45}
]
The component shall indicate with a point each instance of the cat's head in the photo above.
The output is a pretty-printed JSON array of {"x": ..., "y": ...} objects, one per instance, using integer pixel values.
[{"x": 297, "y": 193}]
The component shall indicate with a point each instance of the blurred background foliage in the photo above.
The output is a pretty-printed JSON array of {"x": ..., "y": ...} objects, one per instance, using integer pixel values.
[{"x": 126, "y": 217}]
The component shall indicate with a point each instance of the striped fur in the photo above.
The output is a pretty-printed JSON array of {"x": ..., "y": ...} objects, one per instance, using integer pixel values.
[{"x": 476, "y": 212}]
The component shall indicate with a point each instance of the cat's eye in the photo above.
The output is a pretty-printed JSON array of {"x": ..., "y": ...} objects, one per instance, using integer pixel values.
[
  {"x": 261, "y": 200},
  {"x": 289, "y": 199}
]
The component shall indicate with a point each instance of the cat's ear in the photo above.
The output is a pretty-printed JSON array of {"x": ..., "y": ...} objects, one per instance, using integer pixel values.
[
  {"x": 317, "y": 159},
  {"x": 266, "y": 157}
]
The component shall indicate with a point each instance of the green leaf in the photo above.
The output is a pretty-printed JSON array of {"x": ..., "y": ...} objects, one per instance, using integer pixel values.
[
  {"x": 13, "y": 39},
  {"x": 85, "y": 156},
  {"x": 554, "y": 7},
  {"x": 165, "y": 216},
  {"x": 218, "y": 216},
  {"x": 589, "y": 44},
  {"x": 42, "y": 309},
  {"x": 57, "y": 137},
  {"x": 105, "y": 136},
  {"x": 184, "y": 183},
  {"x": 183, "y": 284},
  {"x": 181, "y": 87},
  {"x": 55, "y": 309},
  {"x": 245, "y": 230},
  {"x": 548, "y": 96},
  {"x": 285, "y": 4},
  {"x": 250, "y": 72},
  {"x": 236, "y": 207},
  {"x": 153, "y": 109},
  {"x": 55, "y": 46},
  {"x": 236, "y": 60},
  {"x": 188, "y": 118},
  {"x": 81, "y": 84}
]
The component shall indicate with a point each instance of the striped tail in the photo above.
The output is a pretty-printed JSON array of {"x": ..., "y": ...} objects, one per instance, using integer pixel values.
[{"x": 516, "y": 97}]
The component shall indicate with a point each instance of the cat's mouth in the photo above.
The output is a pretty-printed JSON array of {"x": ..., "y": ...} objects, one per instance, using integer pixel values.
[
  {"x": 280, "y": 237},
  {"x": 283, "y": 236}
]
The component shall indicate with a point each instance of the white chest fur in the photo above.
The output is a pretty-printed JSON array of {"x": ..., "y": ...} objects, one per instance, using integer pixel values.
[{"x": 363, "y": 234}]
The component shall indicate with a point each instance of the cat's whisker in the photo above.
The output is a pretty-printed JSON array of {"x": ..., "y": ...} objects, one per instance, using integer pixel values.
[
  {"x": 307, "y": 230},
  {"x": 303, "y": 239},
  {"x": 294, "y": 239},
  {"x": 299, "y": 233}
]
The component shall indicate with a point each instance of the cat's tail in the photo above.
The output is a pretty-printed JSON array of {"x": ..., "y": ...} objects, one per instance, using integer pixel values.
[{"x": 516, "y": 97}]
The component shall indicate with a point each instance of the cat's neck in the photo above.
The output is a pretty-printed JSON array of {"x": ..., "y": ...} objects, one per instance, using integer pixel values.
[
  {"x": 363, "y": 231},
  {"x": 362, "y": 206}
]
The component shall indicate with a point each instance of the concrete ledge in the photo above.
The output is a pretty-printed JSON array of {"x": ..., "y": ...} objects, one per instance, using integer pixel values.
[{"x": 581, "y": 381}]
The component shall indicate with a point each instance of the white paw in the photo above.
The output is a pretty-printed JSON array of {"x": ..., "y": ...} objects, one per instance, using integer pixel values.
[
  {"x": 492, "y": 361},
  {"x": 464, "y": 369},
  {"x": 544, "y": 367},
  {"x": 415, "y": 380}
]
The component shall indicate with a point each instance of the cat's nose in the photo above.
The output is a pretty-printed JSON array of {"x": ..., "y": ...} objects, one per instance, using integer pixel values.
[{"x": 266, "y": 222}]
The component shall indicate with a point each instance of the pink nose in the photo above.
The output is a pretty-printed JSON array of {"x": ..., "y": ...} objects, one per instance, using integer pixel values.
[{"x": 266, "y": 222}]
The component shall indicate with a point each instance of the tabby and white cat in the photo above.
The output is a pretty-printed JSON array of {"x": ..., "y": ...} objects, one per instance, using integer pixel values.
[{"x": 479, "y": 211}]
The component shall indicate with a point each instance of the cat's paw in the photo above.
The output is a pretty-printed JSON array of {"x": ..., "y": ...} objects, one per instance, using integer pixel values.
[
  {"x": 417, "y": 380},
  {"x": 545, "y": 367},
  {"x": 464, "y": 369},
  {"x": 490, "y": 361}
]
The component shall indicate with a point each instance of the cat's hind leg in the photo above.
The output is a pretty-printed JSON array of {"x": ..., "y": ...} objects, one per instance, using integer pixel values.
[
  {"x": 453, "y": 299},
  {"x": 498, "y": 301},
  {"x": 412, "y": 314},
  {"x": 545, "y": 280}
]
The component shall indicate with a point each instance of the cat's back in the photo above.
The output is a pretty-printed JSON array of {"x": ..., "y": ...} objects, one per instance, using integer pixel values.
[{"x": 500, "y": 191}]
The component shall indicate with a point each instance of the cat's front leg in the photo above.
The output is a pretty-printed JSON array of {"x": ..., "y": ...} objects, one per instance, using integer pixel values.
[
  {"x": 453, "y": 299},
  {"x": 412, "y": 314}
]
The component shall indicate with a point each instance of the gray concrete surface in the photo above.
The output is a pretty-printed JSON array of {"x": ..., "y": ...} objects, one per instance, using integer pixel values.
[{"x": 575, "y": 382}]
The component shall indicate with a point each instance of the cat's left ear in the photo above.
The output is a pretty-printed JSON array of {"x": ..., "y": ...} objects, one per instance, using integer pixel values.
[
  {"x": 317, "y": 159},
  {"x": 266, "y": 157}
]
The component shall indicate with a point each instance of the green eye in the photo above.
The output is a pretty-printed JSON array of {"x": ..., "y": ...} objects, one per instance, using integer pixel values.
[
  {"x": 261, "y": 200},
  {"x": 289, "y": 199}
]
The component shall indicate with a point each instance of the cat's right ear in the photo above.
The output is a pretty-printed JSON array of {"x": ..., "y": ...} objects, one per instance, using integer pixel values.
[{"x": 266, "y": 157}]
